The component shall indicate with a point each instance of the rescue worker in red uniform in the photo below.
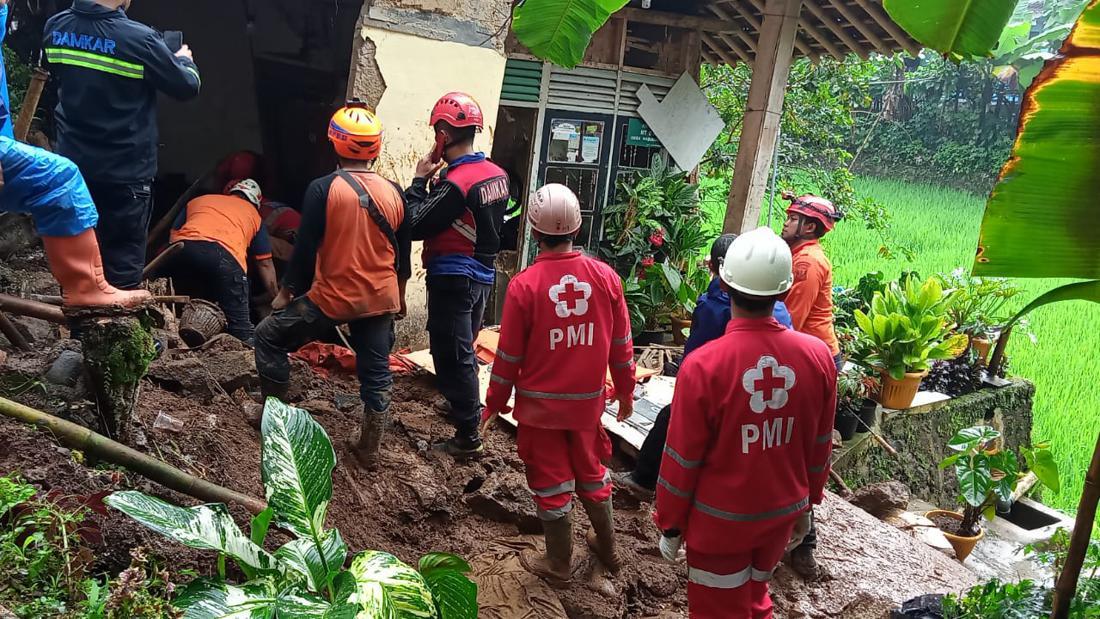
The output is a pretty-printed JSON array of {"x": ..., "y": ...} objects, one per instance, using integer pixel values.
[
  {"x": 349, "y": 265},
  {"x": 459, "y": 220},
  {"x": 749, "y": 440},
  {"x": 810, "y": 302},
  {"x": 565, "y": 322}
]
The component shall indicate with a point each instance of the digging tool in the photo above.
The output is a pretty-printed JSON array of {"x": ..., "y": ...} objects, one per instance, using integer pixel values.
[
  {"x": 168, "y": 252},
  {"x": 165, "y": 222},
  {"x": 78, "y": 437},
  {"x": 881, "y": 441}
]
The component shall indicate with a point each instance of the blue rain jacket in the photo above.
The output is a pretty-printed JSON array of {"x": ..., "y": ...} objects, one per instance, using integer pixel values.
[{"x": 46, "y": 186}]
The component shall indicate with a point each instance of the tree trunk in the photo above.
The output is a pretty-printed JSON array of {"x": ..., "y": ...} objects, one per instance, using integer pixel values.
[
  {"x": 983, "y": 112},
  {"x": 117, "y": 352},
  {"x": 1066, "y": 587}
]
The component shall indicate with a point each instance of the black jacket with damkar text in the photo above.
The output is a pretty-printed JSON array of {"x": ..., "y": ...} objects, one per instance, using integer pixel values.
[{"x": 109, "y": 69}]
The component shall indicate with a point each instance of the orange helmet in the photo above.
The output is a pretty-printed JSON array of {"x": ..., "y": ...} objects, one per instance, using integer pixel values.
[{"x": 355, "y": 132}]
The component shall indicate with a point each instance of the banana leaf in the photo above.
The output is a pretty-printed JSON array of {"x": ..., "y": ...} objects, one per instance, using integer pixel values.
[
  {"x": 959, "y": 29},
  {"x": 1038, "y": 219},
  {"x": 560, "y": 30}
]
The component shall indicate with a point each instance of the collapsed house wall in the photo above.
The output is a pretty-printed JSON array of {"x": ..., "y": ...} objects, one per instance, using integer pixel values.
[{"x": 405, "y": 55}]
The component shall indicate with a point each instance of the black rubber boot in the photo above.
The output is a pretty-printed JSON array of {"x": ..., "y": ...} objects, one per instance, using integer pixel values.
[
  {"x": 556, "y": 566},
  {"x": 371, "y": 431},
  {"x": 268, "y": 389},
  {"x": 601, "y": 538},
  {"x": 459, "y": 447}
]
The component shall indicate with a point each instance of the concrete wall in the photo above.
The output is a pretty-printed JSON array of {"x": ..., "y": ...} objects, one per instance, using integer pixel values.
[{"x": 405, "y": 56}]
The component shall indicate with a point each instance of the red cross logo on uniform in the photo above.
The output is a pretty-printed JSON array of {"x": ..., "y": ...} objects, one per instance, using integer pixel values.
[
  {"x": 768, "y": 384},
  {"x": 570, "y": 296}
]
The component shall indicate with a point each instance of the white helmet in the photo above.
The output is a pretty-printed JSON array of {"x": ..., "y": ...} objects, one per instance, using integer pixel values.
[
  {"x": 554, "y": 210},
  {"x": 758, "y": 263},
  {"x": 249, "y": 190}
]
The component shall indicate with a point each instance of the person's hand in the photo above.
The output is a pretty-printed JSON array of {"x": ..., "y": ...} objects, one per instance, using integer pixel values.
[
  {"x": 487, "y": 422},
  {"x": 426, "y": 168},
  {"x": 185, "y": 52},
  {"x": 626, "y": 407},
  {"x": 281, "y": 300},
  {"x": 672, "y": 548},
  {"x": 801, "y": 529}
]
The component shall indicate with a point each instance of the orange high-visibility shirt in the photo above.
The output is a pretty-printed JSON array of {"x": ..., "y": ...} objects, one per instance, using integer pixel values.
[{"x": 810, "y": 300}]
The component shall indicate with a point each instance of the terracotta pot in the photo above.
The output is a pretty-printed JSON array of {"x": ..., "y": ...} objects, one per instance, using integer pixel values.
[
  {"x": 678, "y": 327},
  {"x": 899, "y": 394},
  {"x": 982, "y": 347},
  {"x": 963, "y": 545}
]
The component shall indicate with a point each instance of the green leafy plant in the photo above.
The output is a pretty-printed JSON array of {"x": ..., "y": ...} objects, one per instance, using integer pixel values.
[
  {"x": 853, "y": 385},
  {"x": 960, "y": 30},
  {"x": 987, "y": 473},
  {"x": 560, "y": 30},
  {"x": 907, "y": 327},
  {"x": 978, "y": 303},
  {"x": 998, "y": 600},
  {"x": 306, "y": 576}
]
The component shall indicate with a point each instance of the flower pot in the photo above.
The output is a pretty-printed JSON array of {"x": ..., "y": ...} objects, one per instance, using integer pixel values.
[
  {"x": 679, "y": 325},
  {"x": 981, "y": 347},
  {"x": 868, "y": 416},
  {"x": 845, "y": 423},
  {"x": 650, "y": 337},
  {"x": 963, "y": 545},
  {"x": 899, "y": 394}
]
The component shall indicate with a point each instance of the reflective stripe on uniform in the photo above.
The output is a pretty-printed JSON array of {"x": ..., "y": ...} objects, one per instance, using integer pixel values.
[
  {"x": 761, "y": 575},
  {"x": 545, "y": 395},
  {"x": 622, "y": 366},
  {"x": 824, "y": 438},
  {"x": 817, "y": 469},
  {"x": 96, "y": 62},
  {"x": 509, "y": 358},
  {"x": 619, "y": 341},
  {"x": 502, "y": 381},
  {"x": 775, "y": 513},
  {"x": 673, "y": 489},
  {"x": 554, "y": 514},
  {"x": 719, "y": 581},
  {"x": 195, "y": 73},
  {"x": 593, "y": 486},
  {"x": 466, "y": 231},
  {"x": 682, "y": 461},
  {"x": 562, "y": 488}
]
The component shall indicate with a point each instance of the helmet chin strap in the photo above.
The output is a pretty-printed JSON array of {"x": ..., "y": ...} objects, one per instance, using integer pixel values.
[{"x": 798, "y": 229}]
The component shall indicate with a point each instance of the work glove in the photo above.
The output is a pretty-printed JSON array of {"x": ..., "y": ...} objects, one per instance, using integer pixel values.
[
  {"x": 672, "y": 548},
  {"x": 801, "y": 529}
]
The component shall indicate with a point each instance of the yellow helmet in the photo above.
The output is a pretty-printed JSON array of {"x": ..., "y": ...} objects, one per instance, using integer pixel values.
[{"x": 355, "y": 132}]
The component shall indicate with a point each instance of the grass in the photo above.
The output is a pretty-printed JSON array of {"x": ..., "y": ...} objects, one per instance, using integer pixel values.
[{"x": 941, "y": 224}]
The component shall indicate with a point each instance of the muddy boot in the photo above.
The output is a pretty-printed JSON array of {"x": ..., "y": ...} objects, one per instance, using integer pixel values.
[
  {"x": 601, "y": 537},
  {"x": 442, "y": 406},
  {"x": 77, "y": 265},
  {"x": 556, "y": 566},
  {"x": 371, "y": 431},
  {"x": 803, "y": 563},
  {"x": 460, "y": 447},
  {"x": 268, "y": 389}
]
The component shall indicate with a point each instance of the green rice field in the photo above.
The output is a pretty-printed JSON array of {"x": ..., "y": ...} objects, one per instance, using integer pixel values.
[{"x": 942, "y": 226}]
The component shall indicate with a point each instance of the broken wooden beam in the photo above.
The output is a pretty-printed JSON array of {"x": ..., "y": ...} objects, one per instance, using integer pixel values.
[
  {"x": 14, "y": 335},
  {"x": 33, "y": 309},
  {"x": 51, "y": 299},
  {"x": 30, "y": 104},
  {"x": 168, "y": 252},
  {"x": 677, "y": 20}
]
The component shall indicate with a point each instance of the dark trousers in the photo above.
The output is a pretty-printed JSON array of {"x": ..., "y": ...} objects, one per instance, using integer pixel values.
[
  {"x": 456, "y": 309},
  {"x": 208, "y": 271},
  {"x": 124, "y": 211},
  {"x": 302, "y": 322}
]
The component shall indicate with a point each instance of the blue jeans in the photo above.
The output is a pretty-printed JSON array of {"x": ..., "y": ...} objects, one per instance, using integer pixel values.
[
  {"x": 302, "y": 322},
  {"x": 456, "y": 310}
]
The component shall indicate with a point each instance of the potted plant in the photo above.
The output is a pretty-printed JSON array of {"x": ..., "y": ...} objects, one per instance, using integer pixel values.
[
  {"x": 978, "y": 308},
  {"x": 907, "y": 327},
  {"x": 987, "y": 473},
  {"x": 855, "y": 411},
  {"x": 686, "y": 288}
]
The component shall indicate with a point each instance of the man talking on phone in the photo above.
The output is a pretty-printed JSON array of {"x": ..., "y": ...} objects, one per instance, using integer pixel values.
[
  {"x": 459, "y": 219},
  {"x": 109, "y": 70}
]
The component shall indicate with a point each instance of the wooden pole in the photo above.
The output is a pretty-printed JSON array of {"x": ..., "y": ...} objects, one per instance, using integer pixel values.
[
  {"x": 14, "y": 335},
  {"x": 34, "y": 309},
  {"x": 1066, "y": 587},
  {"x": 168, "y": 252},
  {"x": 30, "y": 104},
  {"x": 165, "y": 222},
  {"x": 78, "y": 437},
  {"x": 763, "y": 113}
]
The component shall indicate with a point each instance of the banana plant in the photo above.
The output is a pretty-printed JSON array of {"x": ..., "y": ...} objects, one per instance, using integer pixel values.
[
  {"x": 305, "y": 577},
  {"x": 560, "y": 30},
  {"x": 907, "y": 327}
]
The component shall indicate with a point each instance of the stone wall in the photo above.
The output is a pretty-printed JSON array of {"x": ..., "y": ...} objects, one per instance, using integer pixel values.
[{"x": 920, "y": 436}]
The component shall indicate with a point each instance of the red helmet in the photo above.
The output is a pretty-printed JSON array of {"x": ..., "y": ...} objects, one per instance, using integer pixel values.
[
  {"x": 816, "y": 208},
  {"x": 457, "y": 109}
]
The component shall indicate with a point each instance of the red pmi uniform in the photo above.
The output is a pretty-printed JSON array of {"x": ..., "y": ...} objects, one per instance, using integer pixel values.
[
  {"x": 565, "y": 321},
  {"x": 747, "y": 451}
]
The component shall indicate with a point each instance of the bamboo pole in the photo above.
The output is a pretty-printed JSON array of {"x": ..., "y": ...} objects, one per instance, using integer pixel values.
[
  {"x": 34, "y": 309},
  {"x": 1066, "y": 587},
  {"x": 78, "y": 437}
]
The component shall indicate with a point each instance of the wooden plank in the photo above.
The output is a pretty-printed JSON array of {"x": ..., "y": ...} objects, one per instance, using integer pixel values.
[
  {"x": 883, "y": 20},
  {"x": 676, "y": 20},
  {"x": 717, "y": 47},
  {"x": 847, "y": 13},
  {"x": 763, "y": 112},
  {"x": 835, "y": 28},
  {"x": 799, "y": 41},
  {"x": 821, "y": 38}
]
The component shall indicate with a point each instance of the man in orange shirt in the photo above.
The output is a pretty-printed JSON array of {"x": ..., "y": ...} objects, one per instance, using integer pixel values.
[
  {"x": 220, "y": 233},
  {"x": 350, "y": 262},
  {"x": 810, "y": 302}
]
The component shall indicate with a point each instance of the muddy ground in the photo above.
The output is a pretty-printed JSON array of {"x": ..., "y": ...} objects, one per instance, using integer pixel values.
[{"x": 190, "y": 413}]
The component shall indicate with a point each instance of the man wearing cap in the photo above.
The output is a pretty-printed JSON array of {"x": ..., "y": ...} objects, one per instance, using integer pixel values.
[
  {"x": 748, "y": 442},
  {"x": 810, "y": 302},
  {"x": 220, "y": 234},
  {"x": 459, "y": 219},
  {"x": 565, "y": 323}
]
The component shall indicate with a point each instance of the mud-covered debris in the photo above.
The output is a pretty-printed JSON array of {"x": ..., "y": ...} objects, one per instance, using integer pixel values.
[
  {"x": 504, "y": 500},
  {"x": 204, "y": 376},
  {"x": 882, "y": 499}
]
